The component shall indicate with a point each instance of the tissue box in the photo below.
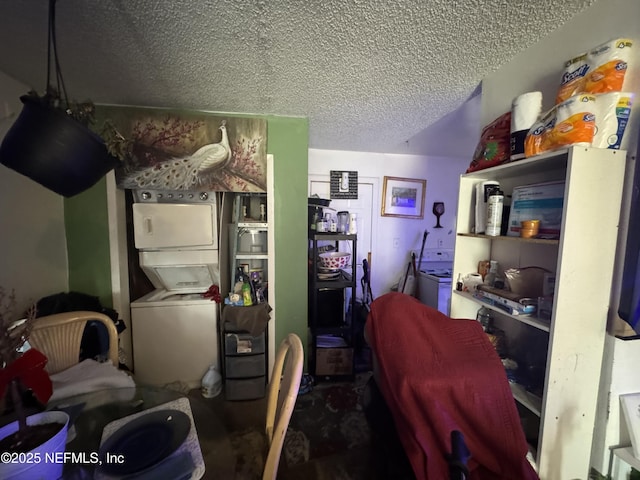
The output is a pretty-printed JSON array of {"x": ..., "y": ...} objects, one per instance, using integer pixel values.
[{"x": 541, "y": 201}]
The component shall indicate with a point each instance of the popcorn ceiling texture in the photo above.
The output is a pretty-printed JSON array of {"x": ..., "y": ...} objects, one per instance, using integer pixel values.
[{"x": 369, "y": 74}]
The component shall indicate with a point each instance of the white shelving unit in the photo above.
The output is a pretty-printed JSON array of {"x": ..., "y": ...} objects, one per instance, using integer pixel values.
[
  {"x": 582, "y": 259},
  {"x": 621, "y": 460},
  {"x": 248, "y": 237}
]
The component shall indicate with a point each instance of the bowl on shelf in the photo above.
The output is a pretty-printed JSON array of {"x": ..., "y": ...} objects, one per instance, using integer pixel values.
[{"x": 334, "y": 260}]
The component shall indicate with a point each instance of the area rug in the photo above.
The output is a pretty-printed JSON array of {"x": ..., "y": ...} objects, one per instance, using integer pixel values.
[
  {"x": 329, "y": 420},
  {"x": 328, "y": 437}
]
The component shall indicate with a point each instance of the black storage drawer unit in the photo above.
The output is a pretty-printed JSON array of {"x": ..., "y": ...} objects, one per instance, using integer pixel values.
[
  {"x": 242, "y": 343},
  {"x": 245, "y": 363},
  {"x": 245, "y": 389},
  {"x": 245, "y": 366}
]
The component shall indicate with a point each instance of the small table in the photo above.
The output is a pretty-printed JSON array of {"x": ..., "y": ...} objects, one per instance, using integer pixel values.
[{"x": 91, "y": 412}]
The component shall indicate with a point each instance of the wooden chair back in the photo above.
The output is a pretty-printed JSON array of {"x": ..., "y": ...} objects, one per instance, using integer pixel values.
[{"x": 281, "y": 398}]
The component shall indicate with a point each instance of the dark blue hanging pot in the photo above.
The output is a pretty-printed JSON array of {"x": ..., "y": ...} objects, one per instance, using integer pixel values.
[
  {"x": 52, "y": 148},
  {"x": 47, "y": 144}
]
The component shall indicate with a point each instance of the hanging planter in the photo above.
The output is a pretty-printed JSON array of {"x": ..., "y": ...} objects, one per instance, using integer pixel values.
[{"x": 50, "y": 141}]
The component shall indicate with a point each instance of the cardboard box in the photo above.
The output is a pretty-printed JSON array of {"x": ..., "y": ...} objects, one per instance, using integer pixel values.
[
  {"x": 541, "y": 201},
  {"x": 334, "y": 361}
]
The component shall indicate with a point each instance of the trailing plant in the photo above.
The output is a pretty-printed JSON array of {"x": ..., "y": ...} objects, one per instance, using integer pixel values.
[{"x": 20, "y": 371}]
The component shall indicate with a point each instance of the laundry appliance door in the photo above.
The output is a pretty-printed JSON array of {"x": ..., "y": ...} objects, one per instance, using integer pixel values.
[{"x": 174, "y": 225}]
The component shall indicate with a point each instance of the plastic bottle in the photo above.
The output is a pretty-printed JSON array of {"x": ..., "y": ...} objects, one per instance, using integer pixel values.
[
  {"x": 494, "y": 212},
  {"x": 246, "y": 294},
  {"x": 484, "y": 317},
  {"x": 490, "y": 279},
  {"x": 353, "y": 224},
  {"x": 237, "y": 286},
  {"x": 333, "y": 225},
  {"x": 459, "y": 283},
  {"x": 211, "y": 383}
]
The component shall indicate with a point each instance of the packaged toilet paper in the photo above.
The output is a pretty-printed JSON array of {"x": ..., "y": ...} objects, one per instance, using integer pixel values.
[{"x": 573, "y": 122}]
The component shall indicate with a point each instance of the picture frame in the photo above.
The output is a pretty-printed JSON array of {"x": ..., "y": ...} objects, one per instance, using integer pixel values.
[
  {"x": 403, "y": 197},
  {"x": 630, "y": 403}
]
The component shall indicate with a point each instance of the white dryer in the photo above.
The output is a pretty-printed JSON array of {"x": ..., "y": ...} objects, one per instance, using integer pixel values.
[{"x": 174, "y": 328}]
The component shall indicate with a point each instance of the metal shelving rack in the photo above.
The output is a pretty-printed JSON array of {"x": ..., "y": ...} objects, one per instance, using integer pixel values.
[{"x": 346, "y": 280}]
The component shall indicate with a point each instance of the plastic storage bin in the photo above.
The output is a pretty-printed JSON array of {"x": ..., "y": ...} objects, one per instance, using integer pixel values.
[
  {"x": 239, "y": 343},
  {"x": 245, "y": 366},
  {"x": 245, "y": 388}
]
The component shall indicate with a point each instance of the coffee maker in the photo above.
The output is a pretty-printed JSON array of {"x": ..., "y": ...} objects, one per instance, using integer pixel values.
[{"x": 315, "y": 211}]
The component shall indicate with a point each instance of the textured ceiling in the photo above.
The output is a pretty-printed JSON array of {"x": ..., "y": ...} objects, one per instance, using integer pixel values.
[{"x": 370, "y": 75}]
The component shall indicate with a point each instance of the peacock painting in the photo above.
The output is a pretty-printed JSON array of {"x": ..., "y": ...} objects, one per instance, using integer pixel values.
[{"x": 170, "y": 151}]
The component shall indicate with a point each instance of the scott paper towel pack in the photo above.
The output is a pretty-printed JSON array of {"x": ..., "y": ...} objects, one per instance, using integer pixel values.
[
  {"x": 597, "y": 120},
  {"x": 612, "y": 115},
  {"x": 601, "y": 70}
]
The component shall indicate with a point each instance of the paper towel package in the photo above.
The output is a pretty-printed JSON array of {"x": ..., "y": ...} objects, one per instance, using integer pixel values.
[
  {"x": 525, "y": 110},
  {"x": 541, "y": 201},
  {"x": 612, "y": 115}
]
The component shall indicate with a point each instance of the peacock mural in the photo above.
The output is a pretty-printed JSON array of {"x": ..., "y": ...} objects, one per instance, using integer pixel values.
[{"x": 164, "y": 150}]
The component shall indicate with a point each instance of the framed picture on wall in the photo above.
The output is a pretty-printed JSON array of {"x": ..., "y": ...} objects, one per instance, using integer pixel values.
[
  {"x": 403, "y": 197},
  {"x": 630, "y": 403}
]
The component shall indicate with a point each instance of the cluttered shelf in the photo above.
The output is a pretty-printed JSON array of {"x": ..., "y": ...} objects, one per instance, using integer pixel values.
[
  {"x": 528, "y": 319},
  {"x": 545, "y": 241},
  {"x": 340, "y": 278}
]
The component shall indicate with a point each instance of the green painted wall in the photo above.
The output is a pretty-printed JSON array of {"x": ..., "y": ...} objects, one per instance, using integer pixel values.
[
  {"x": 288, "y": 141},
  {"x": 87, "y": 228},
  {"x": 86, "y": 225}
]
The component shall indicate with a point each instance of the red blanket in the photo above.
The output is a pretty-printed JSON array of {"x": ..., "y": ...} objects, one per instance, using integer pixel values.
[{"x": 438, "y": 375}]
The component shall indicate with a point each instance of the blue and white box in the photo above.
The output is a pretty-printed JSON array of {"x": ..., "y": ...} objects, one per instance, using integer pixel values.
[{"x": 540, "y": 201}]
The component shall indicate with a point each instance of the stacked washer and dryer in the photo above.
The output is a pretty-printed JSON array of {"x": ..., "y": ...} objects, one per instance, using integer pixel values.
[{"x": 174, "y": 328}]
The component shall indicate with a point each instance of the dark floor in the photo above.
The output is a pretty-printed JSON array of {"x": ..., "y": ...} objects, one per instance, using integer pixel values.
[
  {"x": 244, "y": 420},
  {"x": 368, "y": 459}
]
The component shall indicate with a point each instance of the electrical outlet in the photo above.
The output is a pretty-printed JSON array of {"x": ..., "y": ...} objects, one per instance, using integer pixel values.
[
  {"x": 396, "y": 242},
  {"x": 440, "y": 243}
]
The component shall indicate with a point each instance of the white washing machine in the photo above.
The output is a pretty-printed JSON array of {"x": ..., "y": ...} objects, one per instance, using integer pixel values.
[
  {"x": 174, "y": 328},
  {"x": 175, "y": 338},
  {"x": 434, "y": 285}
]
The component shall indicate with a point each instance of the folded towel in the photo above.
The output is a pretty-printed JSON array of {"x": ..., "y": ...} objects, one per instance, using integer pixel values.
[{"x": 88, "y": 376}]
